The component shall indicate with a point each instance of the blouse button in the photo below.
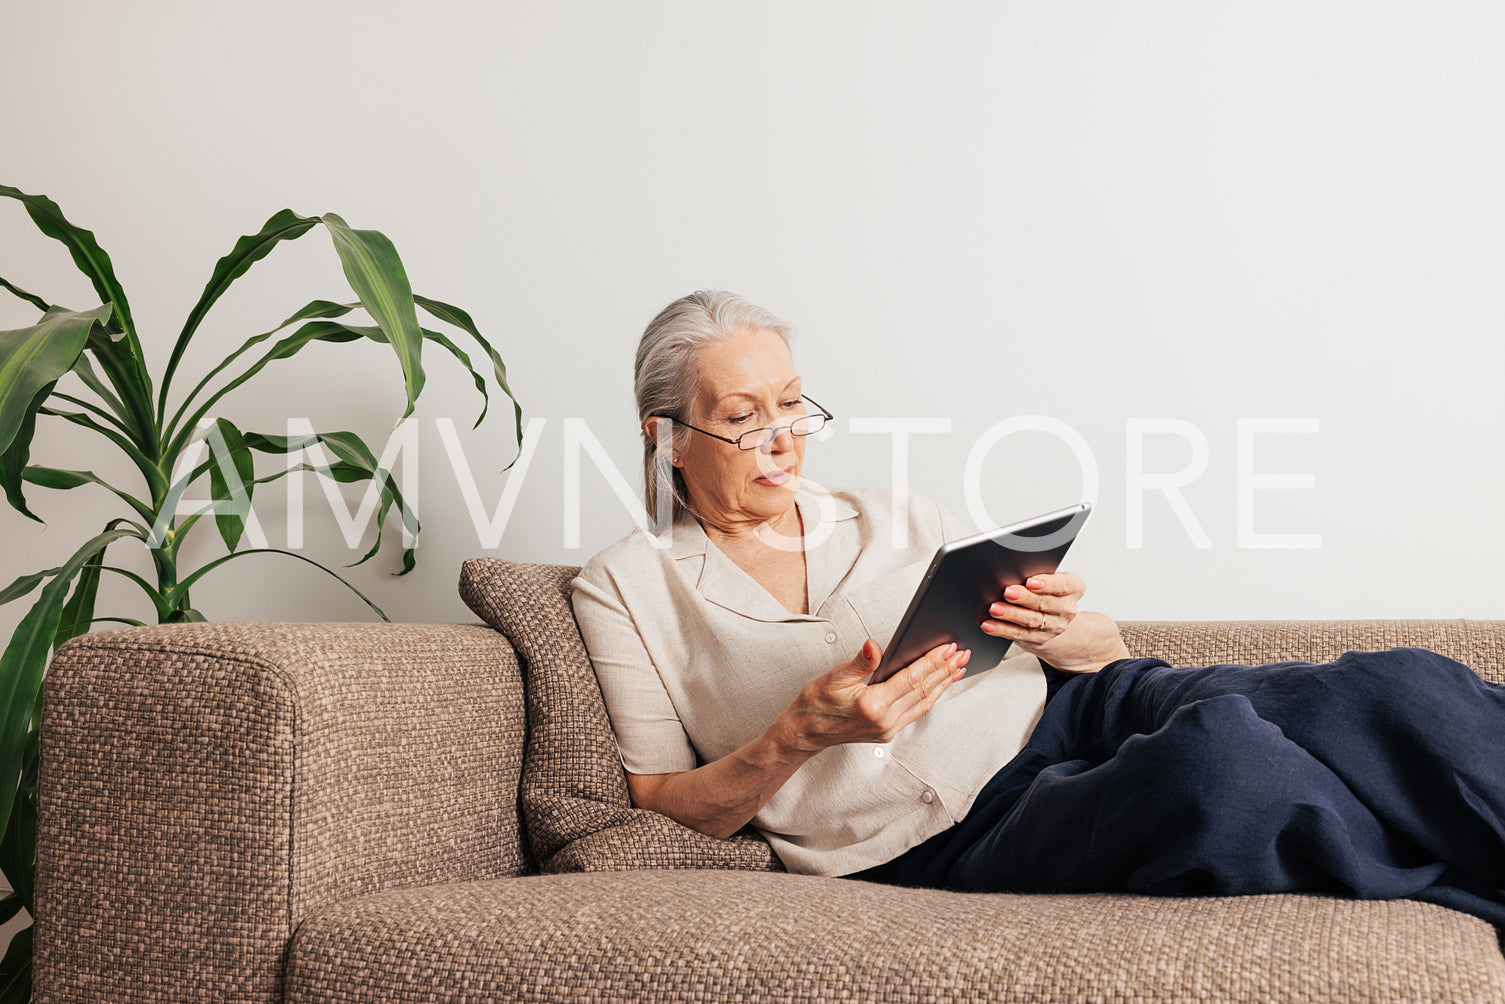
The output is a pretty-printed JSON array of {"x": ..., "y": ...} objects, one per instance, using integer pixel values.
[
  {"x": 927, "y": 797},
  {"x": 831, "y": 637},
  {"x": 878, "y": 752}
]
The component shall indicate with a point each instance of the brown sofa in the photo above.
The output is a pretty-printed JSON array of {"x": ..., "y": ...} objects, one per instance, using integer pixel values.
[{"x": 394, "y": 813}]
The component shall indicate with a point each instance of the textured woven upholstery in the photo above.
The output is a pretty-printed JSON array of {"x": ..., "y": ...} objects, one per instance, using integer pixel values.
[
  {"x": 1479, "y": 644},
  {"x": 238, "y": 812},
  {"x": 738, "y": 936},
  {"x": 574, "y": 792},
  {"x": 204, "y": 786}
]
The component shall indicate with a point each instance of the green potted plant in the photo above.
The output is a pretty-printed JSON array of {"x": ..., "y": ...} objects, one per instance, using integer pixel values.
[{"x": 118, "y": 400}]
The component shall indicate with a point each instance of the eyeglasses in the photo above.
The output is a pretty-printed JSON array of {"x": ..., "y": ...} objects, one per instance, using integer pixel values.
[{"x": 754, "y": 439}]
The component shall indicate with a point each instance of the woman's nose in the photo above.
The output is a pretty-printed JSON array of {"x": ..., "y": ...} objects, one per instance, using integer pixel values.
[{"x": 782, "y": 442}]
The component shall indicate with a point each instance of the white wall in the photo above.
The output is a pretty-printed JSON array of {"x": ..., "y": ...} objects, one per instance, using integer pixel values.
[{"x": 1096, "y": 213}]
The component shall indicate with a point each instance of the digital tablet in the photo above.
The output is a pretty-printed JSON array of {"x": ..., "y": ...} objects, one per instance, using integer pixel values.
[{"x": 966, "y": 577}]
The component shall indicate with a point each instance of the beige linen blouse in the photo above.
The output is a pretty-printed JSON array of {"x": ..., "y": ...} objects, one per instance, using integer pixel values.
[{"x": 695, "y": 660}]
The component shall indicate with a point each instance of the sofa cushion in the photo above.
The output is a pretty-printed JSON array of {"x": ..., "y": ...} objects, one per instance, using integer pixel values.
[
  {"x": 728, "y": 936},
  {"x": 574, "y": 790}
]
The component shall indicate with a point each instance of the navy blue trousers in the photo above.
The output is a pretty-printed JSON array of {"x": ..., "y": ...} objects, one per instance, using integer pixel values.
[{"x": 1379, "y": 775}]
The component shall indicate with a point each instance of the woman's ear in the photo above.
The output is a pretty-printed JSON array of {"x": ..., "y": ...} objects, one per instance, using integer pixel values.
[{"x": 651, "y": 430}]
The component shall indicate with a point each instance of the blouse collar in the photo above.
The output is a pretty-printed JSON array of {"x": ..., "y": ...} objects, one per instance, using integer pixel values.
[{"x": 831, "y": 547}]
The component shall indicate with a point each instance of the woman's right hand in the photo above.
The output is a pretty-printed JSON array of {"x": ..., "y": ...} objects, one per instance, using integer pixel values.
[
  {"x": 836, "y": 707},
  {"x": 839, "y": 706}
]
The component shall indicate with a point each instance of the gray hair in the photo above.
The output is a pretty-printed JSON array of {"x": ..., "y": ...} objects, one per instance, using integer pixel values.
[{"x": 665, "y": 379}]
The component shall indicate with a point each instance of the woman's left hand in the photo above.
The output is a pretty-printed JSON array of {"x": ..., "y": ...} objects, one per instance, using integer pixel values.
[
  {"x": 1042, "y": 619},
  {"x": 1036, "y": 613}
]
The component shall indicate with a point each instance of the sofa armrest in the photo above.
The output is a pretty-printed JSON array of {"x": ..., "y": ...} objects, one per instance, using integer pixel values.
[{"x": 204, "y": 786}]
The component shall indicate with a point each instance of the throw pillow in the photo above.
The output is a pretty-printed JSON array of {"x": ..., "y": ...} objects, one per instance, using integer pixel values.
[{"x": 574, "y": 796}]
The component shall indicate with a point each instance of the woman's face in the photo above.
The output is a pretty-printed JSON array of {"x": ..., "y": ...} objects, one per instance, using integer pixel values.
[{"x": 747, "y": 381}]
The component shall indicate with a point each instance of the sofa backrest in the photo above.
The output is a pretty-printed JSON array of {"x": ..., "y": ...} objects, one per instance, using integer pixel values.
[
  {"x": 574, "y": 791},
  {"x": 1479, "y": 644}
]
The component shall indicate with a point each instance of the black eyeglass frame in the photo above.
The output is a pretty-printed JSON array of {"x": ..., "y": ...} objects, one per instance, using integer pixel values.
[{"x": 826, "y": 416}]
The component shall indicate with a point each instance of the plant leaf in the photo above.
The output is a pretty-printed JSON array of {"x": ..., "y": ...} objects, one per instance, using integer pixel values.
[
  {"x": 454, "y": 315},
  {"x": 231, "y": 526},
  {"x": 285, "y": 225},
  {"x": 30, "y": 298},
  {"x": 361, "y": 464},
  {"x": 326, "y": 309},
  {"x": 14, "y": 457},
  {"x": 314, "y": 331},
  {"x": 60, "y": 479},
  {"x": 181, "y": 588},
  {"x": 315, "y": 309},
  {"x": 85, "y": 371},
  {"x": 35, "y": 357},
  {"x": 129, "y": 621},
  {"x": 194, "y": 517},
  {"x": 375, "y": 272},
  {"x": 15, "y": 969},
  {"x": 148, "y": 470},
  {"x": 125, "y": 374},
  {"x": 79, "y": 610},
  {"x": 25, "y": 660},
  {"x": 355, "y": 462},
  {"x": 26, "y": 584},
  {"x": 158, "y": 603},
  {"x": 127, "y": 365},
  {"x": 14, "y": 469},
  {"x": 93, "y": 408},
  {"x": 87, "y": 254},
  {"x": 19, "y": 844},
  {"x": 460, "y": 354}
]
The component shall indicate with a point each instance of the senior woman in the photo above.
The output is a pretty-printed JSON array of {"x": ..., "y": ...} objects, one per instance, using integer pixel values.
[{"x": 734, "y": 645}]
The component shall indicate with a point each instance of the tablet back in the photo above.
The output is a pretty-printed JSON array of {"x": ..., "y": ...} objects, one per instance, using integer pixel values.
[{"x": 969, "y": 575}]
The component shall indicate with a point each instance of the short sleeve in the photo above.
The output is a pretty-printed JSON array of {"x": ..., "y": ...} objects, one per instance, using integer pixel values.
[{"x": 649, "y": 734}]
